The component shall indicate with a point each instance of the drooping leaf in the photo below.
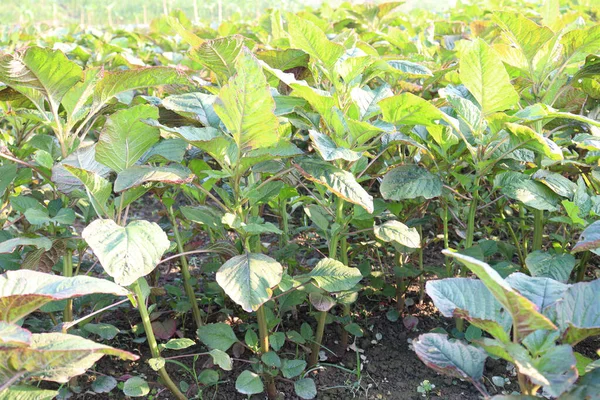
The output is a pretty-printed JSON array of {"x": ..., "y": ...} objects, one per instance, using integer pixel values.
[
  {"x": 410, "y": 182},
  {"x": 543, "y": 292},
  {"x": 589, "y": 238},
  {"x": 526, "y": 317},
  {"x": 247, "y": 279},
  {"x": 321, "y": 302},
  {"x": 329, "y": 150},
  {"x": 12, "y": 335},
  {"x": 217, "y": 336},
  {"x": 308, "y": 37},
  {"x": 578, "y": 314},
  {"x": 126, "y": 252},
  {"x": 533, "y": 194},
  {"x": 246, "y": 107},
  {"x": 24, "y": 291},
  {"x": 555, "y": 266},
  {"x": 8, "y": 246},
  {"x": 197, "y": 105},
  {"x": 340, "y": 182},
  {"x": 482, "y": 72},
  {"x": 219, "y": 55},
  {"x": 55, "y": 357},
  {"x": 97, "y": 188},
  {"x": 397, "y": 232},
  {"x": 83, "y": 158},
  {"x": 450, "y": 358},
  {"x": 534, "y": 141},
  {"x": 140, "y": 174}
]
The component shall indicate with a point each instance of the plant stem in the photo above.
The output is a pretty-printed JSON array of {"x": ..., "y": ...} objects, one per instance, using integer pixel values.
[
  {"x": 448, "y": 261},
  {"x": 513, "y": 236},
  {"x": 523, "y": 228},
  {"x": 421, "y": 266},
  {"x": 185, "y": 271},
  {"x": 68, "y": 272},
  {"x": 285, "y": 237},
  {"x": 263, "y": 331},
  {"x": 314, "y": 355},
  {"x": 538, "y": 229},
  {"x": 399, "y": 285},
  {"x": 166, "y": 379},
  {"x": 582, "y": 267}
]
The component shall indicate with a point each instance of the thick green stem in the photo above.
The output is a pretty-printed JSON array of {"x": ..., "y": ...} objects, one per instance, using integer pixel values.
[
  {"x": 538, "y": 229},
  {"x": 164, "y": 376},
  {"x": 400, "y": 289},
  {"x": 421, "y": 267},
  {"x": 513, "y": 237},
  {"x": 68, "y": 272},
  {"x": 316, "y": 347},
  {"x": 448, "y": 260},
  {"x": 285, "y": 236},
  {"x": 582, "y": 267},
  {"x": 185, "y": 271},
  {"x": 263, "y": 331}
]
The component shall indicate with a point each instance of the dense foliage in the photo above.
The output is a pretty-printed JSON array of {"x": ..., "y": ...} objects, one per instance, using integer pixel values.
[{"x": 302, "y": 163}]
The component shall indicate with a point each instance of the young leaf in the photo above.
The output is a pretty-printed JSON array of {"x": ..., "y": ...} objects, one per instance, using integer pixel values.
[
  {"x": 408, "y": 109},
  {"x": 247, "y": 279},
  {"x": 482, "y": 72},
  {"x": 306, "y": 36},
  {"x": 397, "y": 232},
  {"x": 249, "y": 383},
  {"x": 217, "y": 336},
  {"x": 329, "y": 150},
  {"x": 126, "y": 252},
  {"x": 221, "y": 359},
  {"x": 333, "y": 276},
  {"x": 136, "y": 387},
  {"x": 305, "y": 388},
  {"x": 219, "y": 55}
]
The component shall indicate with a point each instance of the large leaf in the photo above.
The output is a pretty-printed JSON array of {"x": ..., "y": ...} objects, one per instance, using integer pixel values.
[
  {"x": 247, "y": 279},
  {"x": 397, "y": 232},
  {"x": 471, "y": 299},
  {"x": 42, "y": 70},
  {"x": 41, "y": 242},
  {"x": 83, "y": 158},
  {"x": 333, "y": 276},
  {"x": 97, "y": 188},
  {"x": 198, "y": 106},
  {"x": 125, "y": 138},
  {"x": 246, "y": 107},
  {"x": 219, "y": 55},
  {"x": 410, "y": 182},
  {"x": 340, "y": 182},
  {"x": 55, "y": 357},
  {"x": 555, "y": 266},
  {"x": 126, "y": 252},
  {"x": 12, "y": 335},
  {"x": 525, "y": 314},
  {"x": 140, "y": 174},
  {"x": 527, "y": 138},
  {"x": 24, "y": 392},
  {"x": 408, "y": 109},
  {"x": 329, "y": 150},
  {"x": 249, "y": 383},
  {"x": 482, "y": 72},
  {"x": 456, "y": 359},
  {"x": 543, "y": 292},
  {"x": 306, "y": 36},
  {"x": 218, "y": 336},
  {"x": 24, "y": 291},
  {"x": 533, "y": 194},
  {"x": 578, "y": 314},
  {"x": 589, "y": 238}
]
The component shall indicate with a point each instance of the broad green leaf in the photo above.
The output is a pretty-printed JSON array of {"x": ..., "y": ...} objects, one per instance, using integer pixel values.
[
  {"x": 452, "y": 358},
  {"x": 410, "y": 182},
  {"x": 589, "y": 238},
  {"x": 333, "y": 276},
  {"x": 140, "y": 174},
  {"x": 533, "y": 194},
  {"x": 221, "y": 359},
  {"x": 471, "y": 300},
  {"x": 126, "y": 252},
  {"x": 8, "y": 172},
  {"x": 136, "y": 387},
  {"x": 411, "y": 69},
  {"x": 24, "y": 392},
  {"x": 104, "y": 384},
  {"x": 578, "y": 43},
  {"x": 105, "y": 331},
  {"x": 308, "y": 37},
  {"x": 468, "y": 114},
  {"x": 97, "y": 188},
  {"x": 329, "y": 150},
  {"x": 397, "y": 232},
  {"x": 408, "y": 109},
  {"x": 249, "y": 383},
  {"x": 83, "y": 158},
  {"x": 482, "y": 72},
  {"x": 114, "y": 83},
  {"x": 10, "y": 245},
  {"x": 292, "y": 368},
  {"x": 543, "y": 292},
  {"x": 578, "y": 314},
  {"x": 271, "y": 359},
  {"x": 246, "y": 107},
  {"x": 558, "y": 183},
  {"x": 523, "y": 33},
  {"x": 219, "y": 55},
  {"x": 529, "y": 139},
  {"x": 555, "y": 266},
  {"x": 24, "y": 291},
  {"x": 217, "y": 336},
  {"x": 305, "y": 388},
  {"x": 179, "y": 344},
  {"x": 125, "y": 138},
  {"x": 367, "y": 100},
  {"x": 12, "y": 335},
  {"x": 65, "y": 216},
  {"x": 204, "y": 215},
  {"x": 198, "y": 106},
  {"x": 588, "y": 387},
  {"x": 55, "y": 357},
  {"x": 42, "y": 70},
  {"x": 526, "y": 317},
  {"x": 247, "y": 279},
  {"x": 340, "y": 182}
]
